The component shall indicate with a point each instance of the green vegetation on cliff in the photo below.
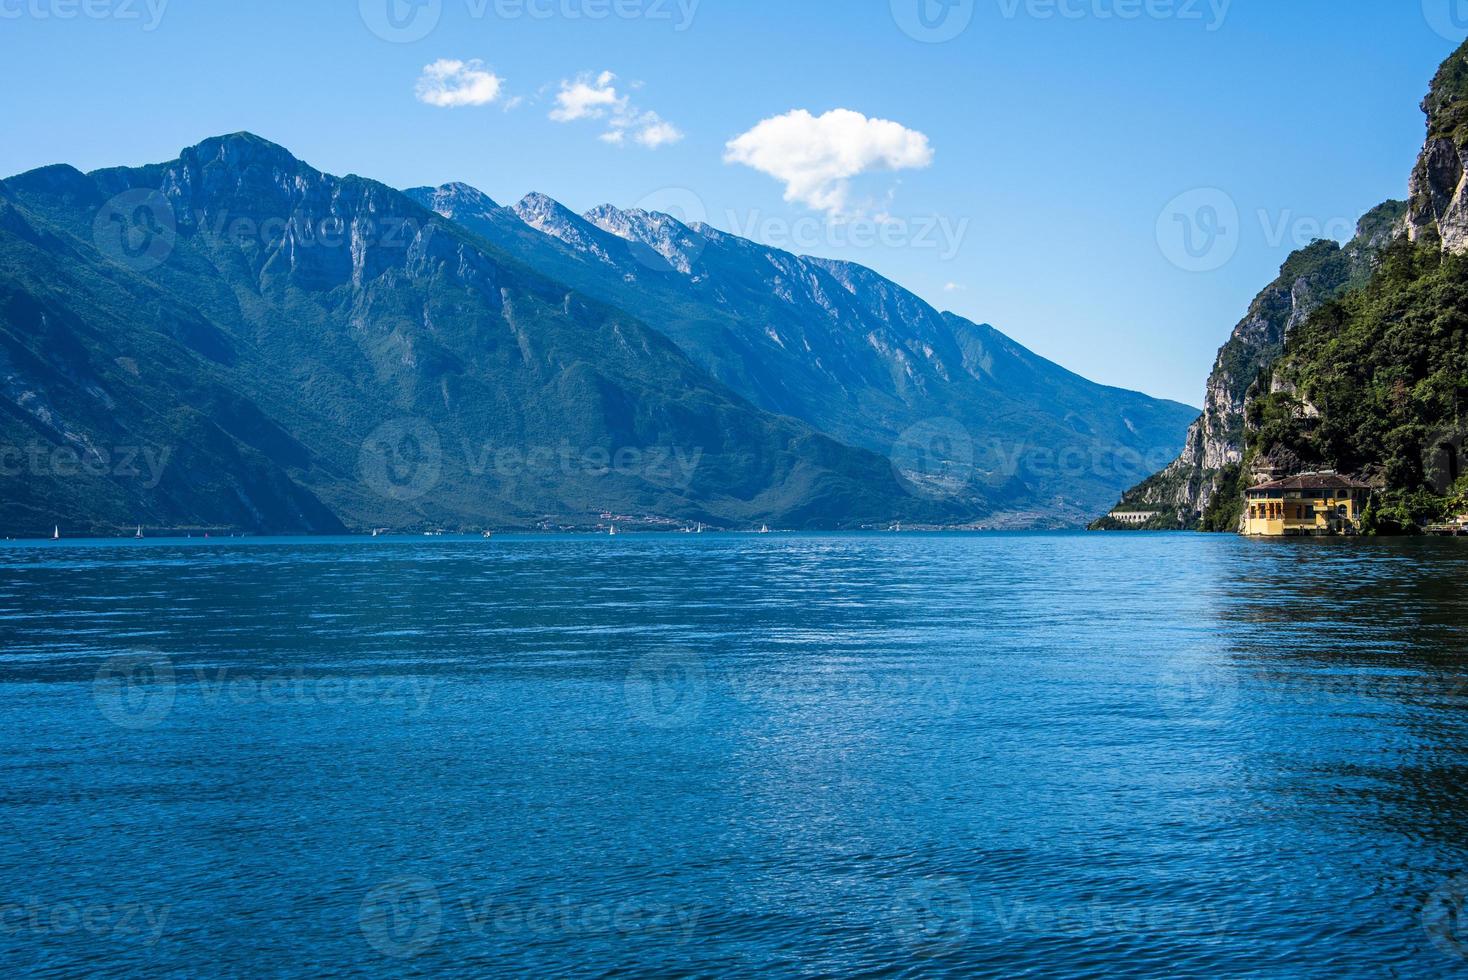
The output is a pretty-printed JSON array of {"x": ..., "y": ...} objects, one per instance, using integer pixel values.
[
  {"x": 1376, "y": 383},
  {"x": 1446, "y": 104},
  {"x": 1203, "y": 489}
]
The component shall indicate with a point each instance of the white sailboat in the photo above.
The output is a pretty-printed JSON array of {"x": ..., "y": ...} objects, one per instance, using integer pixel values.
[
  {"x": 139, "y": 535},
  {"x": 764, "y": 529},
  {"x": 613, "y": 531},
  {"x": 56, "y": 533}
]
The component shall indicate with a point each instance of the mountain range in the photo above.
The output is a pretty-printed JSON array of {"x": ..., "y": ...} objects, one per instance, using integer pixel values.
[
  {"x": 965, "y": 411},
  {"x": 235, "y": 340}
]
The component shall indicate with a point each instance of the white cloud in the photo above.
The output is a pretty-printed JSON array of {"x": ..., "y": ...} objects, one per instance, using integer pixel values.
[
  {"x": 451, "y": 84},
  {"x": 598, "y": 98},
  {"x": 816, "y": 157},
  {"x": 586, "y": 98},
  {"x": 653, "y": 132},
  {"x": 954, "y": 287}
]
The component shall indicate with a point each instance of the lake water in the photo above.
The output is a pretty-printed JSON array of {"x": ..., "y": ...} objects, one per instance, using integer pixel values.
[{"x": 896, "y": 755}]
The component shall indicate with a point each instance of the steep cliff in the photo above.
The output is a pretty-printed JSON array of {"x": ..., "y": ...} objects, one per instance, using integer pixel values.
[
  {"x": 1376, "y": 382},
  {"x": 1355, "y": 358},
  {"x": 1208, "y": 465},
  {"x": 1439, "y": 187}
]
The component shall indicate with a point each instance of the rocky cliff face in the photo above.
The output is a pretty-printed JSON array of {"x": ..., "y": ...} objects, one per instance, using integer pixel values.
[
  {"x": 1215, "y": 442},
  {"x": 1439, "y": 188},
  {"x": 1437, "y": 211}
]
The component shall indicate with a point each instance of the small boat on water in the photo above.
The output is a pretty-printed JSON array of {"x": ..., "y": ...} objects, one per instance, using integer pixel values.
[
  {"x": 56, "y": 533},
  {"x": 139, "y": 535},
  {"x": 488, "y": 534},
  {"x": 613, "y": 531},
  {"x": 764, "y": 529}
]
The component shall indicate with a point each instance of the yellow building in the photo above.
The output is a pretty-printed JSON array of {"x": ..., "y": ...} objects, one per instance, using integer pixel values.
[{"x": 1310, "y": 504}]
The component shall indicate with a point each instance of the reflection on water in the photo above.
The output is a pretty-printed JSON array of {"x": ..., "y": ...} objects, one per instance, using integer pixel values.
[{"x": 886, "y": 755}]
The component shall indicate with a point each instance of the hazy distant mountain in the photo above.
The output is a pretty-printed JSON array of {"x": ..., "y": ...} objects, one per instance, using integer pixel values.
[
  {"x": 966, "y": 412},
  {"x": 303, "y": 352}
]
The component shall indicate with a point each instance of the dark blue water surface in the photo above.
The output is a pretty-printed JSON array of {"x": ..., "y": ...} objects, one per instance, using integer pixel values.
[{"x": 895, "y": 755}]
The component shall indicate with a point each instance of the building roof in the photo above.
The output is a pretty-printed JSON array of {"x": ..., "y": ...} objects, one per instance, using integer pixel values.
[{"x": 1314, "y": 481}]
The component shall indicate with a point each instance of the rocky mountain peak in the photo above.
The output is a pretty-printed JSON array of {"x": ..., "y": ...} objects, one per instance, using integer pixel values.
[
  {"x": 1439, "y": 187},
  {"x": 679, "y": 245},
  {"x": 550, "y": 217},
  {"x": 239, "y": 153},
  {"x": 544, "y": 213},
  {"x": 455, "y": 200}
]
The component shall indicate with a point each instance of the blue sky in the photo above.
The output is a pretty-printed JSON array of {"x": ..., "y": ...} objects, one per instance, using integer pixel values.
[{"x": 1108, "y": 181}]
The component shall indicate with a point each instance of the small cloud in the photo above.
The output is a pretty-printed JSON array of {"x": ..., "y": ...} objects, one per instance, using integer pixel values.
[
  {"x": 450, "y": 84},
  {"x": 954, "y": 287},
  {"x": 816, "y": 157},
  {"x": 653, "y": 133},
  {"x": 589, "y": 97}
]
